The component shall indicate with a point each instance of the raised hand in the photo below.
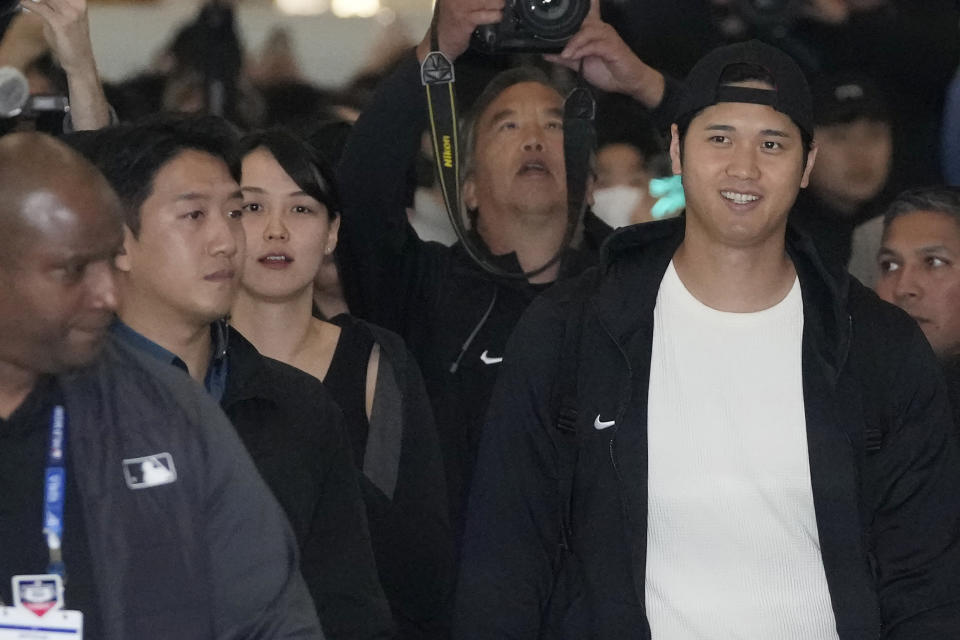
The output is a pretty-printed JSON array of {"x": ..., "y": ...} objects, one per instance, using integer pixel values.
[
  {"x": 23, "y": 42},
  {"x": 67, "y": 32},
  {"x": 608, "y": 63},
  {"x": 456, "y": 22}
]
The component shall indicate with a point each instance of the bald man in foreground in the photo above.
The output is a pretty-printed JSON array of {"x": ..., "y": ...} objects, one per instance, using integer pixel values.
[{"x": 128, "y": 507}]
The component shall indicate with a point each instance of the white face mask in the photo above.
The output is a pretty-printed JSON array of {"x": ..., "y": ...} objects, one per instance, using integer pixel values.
[
  {"x": 616, "y": 205},
  {"x": 430, "y": 218}
]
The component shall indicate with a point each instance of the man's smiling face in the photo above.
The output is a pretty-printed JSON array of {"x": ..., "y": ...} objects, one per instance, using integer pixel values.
[{"x": 742, "y": 167}]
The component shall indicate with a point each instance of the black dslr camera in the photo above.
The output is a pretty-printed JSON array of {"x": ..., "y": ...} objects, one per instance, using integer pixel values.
[{"x": 542, "y": 26}]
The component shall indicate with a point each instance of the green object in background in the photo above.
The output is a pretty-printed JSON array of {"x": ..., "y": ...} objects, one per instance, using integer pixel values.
[{"x": 669, "y": 195}]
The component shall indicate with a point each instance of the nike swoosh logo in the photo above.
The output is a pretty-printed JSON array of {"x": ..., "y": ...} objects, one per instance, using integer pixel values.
[
  {"x": 600, "y": 425},
  {"x": 486, "y": 359}
]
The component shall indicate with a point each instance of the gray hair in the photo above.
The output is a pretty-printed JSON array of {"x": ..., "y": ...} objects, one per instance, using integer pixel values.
[
  {"x": 468, "y": 126},
  {"x": 939, "y": 199}
]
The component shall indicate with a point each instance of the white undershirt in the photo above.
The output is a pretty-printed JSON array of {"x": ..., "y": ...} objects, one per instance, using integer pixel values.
[{"x": 732, "y": 544}]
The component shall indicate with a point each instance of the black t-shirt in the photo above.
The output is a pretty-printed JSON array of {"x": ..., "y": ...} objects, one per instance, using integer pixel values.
[{"x": 24, "y": 439}]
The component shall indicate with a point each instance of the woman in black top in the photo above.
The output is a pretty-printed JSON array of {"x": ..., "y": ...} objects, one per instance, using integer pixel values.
[{"x": 291, "y": 219}]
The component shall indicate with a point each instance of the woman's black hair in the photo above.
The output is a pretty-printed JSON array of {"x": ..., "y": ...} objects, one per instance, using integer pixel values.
[{"x": 305, "y": 165}]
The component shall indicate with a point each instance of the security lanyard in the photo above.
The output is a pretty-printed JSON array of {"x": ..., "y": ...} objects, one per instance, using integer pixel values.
[{"x": 54, "y": 489}]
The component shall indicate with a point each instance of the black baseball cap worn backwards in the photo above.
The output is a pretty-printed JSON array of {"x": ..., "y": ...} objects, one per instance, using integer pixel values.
[{"x": 790, "y": 95}]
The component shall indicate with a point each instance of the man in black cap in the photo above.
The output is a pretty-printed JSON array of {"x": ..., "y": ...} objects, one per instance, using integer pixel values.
[
  {"x": 716, "y": 434},
  {"x": 854, "y": 135}
]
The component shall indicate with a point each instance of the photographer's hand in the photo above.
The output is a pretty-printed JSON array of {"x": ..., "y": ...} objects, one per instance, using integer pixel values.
[
  {"x": 456, "y": 21},
  {"x": 608, "y": 63},
  {"x": 67, "y": 32}
]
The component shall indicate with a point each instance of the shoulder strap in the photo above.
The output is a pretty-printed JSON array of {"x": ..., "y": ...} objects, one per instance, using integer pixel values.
[
  {"x": 872, "y": 399},
  {"x": 566, "y": 407}
]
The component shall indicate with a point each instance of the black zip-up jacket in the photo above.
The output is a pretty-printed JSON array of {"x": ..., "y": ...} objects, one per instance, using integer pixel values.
[
  {"x": 454, "y": 317},
  {"x": 888, "y": 519},
  {"x": 295, "y": 434},
  {"x": 403, "y": 486},
  {"x": 207, "y": 555}
]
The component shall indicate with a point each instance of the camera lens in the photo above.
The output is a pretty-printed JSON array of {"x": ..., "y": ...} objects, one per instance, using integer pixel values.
[{"x": 553, "y": 19}]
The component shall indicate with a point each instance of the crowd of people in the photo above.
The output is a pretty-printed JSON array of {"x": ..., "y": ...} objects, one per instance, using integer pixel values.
[{"x": 253, "y": 386}]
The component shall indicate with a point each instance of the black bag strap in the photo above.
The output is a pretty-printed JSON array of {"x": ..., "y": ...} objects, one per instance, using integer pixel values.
[
  {"x": 565, "y": 401},
  {"x": 579, "y": 140}
]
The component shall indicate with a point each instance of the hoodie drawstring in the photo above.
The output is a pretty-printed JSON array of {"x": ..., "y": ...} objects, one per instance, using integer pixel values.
[{"x": 473, "y": 334}]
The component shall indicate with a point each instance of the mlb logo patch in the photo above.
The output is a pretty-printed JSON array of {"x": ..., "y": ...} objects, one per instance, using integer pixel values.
[{"x": 149, "y": 471}]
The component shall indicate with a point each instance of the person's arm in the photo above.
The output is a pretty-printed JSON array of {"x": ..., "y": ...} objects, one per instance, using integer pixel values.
[
  {"x": 258, "y": 591},
  {"x": 337, "y": 557},
  {"x": 22, "y": 42},
  {"x": 384, "y": 267},
  {"x": 610, "y": 65},
  {"x": 916, "y": 531},
  {"x": 406, "y": 495},
  {"x": 377, "y": 250},
  {"x": 512, "y": 529},
  {"x": 67, "y": 32}
]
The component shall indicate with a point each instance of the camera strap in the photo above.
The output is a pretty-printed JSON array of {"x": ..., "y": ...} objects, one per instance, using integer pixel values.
[
  {"x": 579, "y": 141},
  {"x": 437, "y": 76}
]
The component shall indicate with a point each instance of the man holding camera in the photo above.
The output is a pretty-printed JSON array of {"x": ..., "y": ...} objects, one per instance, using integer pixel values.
[{"x": 455, "y": 316}]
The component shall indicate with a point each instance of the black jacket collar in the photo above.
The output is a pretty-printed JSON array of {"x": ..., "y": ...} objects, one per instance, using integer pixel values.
[
  {"x": 634, "y": 259},
  {"x": 250, "y": 372}
]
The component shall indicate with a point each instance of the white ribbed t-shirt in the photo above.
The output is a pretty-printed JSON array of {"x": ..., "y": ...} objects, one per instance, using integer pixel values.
[{"x": 732, "y": 544}]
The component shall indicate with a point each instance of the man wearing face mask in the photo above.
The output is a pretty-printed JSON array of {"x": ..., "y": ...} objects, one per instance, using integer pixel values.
[{"x": 627, "y": 146}]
